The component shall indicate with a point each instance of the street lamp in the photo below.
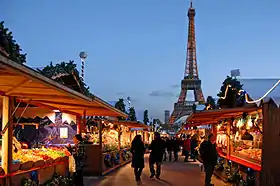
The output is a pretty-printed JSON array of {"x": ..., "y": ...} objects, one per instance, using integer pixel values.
[{"x": 83, "y": 56}]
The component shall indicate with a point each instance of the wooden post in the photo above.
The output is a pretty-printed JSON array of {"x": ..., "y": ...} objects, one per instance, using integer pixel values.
[
  {"x": 7, "y": 138},
  {"x": 83, "y": 127},
  {"x": 119, "y": 140},
  {"x": 228, "y": 138},
  {"x": 100, "y": 145}
]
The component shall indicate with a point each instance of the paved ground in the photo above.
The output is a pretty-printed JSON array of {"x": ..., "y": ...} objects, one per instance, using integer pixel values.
[{"x": 173, "y": 174}]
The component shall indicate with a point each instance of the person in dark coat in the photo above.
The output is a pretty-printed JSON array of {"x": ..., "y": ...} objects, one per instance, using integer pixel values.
[
  {"x": 176, "y": 148},
  {"x": 138, "y": 151},
  {"x": 209, "y": 157},
  {"x": 157, "y": 149},
  {"x": 165, "y": 148},
  {"x": 169, "y": 148}
]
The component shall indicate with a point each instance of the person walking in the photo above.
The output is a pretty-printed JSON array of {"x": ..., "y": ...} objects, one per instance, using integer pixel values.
[
  {"x": 187, "y": 147},
  {"x": 194, "y": 145},
  {"x": 138, "y": 151},
  {"x": 209, "y": 157},
  {"x": 169, "y": 148},
  {"x": 156, "y": 155},
  {"x": 165, "y": 148},
  {"x": 176, "y": 148},
  {"x": 78, "y": 153}
]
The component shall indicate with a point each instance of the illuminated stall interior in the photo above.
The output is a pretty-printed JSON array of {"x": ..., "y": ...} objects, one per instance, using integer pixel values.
[{"x": 239, "y": 137}]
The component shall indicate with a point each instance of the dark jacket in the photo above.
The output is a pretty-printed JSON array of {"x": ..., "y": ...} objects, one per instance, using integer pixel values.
[
  {"x": 157, "y": 148},
  {"x": 208, "y": 153},
  {"x": 176, "y": 145},
  {"x": 138, "y": 151},
  {"x": 78, "y": 152},
  {"x": 194, "y": 141},
  {"x": 168, "y": 145}
]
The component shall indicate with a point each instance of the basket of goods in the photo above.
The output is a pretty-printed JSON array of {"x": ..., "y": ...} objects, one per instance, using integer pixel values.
[
  {"x": 39, "y": 163},
  {"x": 15, "y": 166},
  {"x": 49, "y": 161},
  {"x": 26, "y": 166},
  {"x": 64, "y": 159}
]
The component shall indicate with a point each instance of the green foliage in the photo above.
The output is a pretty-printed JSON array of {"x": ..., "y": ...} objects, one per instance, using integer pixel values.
[
  {"x": 65, "y": 68},
  {"x": 56, "y": 180},
  {"x": 146, "y": 117},
  {"x": 9, "y": 47},
  {"x": 210, "y": 103},
  {"x": 28, "y": 182},
  {"x": 233, "y": 98},
  {"x": 121, "y": 106},
  {"x": 59, "y": 180},
  {"x": 132, "y": 114}
]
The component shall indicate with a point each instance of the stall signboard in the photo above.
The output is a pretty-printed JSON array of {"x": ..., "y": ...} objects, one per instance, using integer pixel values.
[{"x": 63, "y": 132}]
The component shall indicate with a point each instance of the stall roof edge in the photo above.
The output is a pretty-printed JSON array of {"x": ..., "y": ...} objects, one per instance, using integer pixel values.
[{"x": 11, "y": 68}]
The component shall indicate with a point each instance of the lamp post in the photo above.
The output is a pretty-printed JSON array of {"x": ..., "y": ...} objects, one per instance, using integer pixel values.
[{"x": 83, "y": 56}]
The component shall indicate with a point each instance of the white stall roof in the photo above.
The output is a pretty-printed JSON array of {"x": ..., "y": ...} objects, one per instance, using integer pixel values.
[{"x": 256, "y": 88}]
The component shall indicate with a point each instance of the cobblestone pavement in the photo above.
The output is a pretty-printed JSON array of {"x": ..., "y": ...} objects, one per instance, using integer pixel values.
[{"x": 173, "y": 174}]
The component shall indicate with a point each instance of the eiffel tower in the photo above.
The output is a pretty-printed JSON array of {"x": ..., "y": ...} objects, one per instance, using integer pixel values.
[{"x": 191, "y": 80}]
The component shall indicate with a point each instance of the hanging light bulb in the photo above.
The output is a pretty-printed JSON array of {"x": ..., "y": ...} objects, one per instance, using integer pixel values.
[{"x": 240, "y": 123}]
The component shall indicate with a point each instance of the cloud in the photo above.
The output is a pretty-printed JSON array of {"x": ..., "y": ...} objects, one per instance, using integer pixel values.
[
  {"x": 161, "y": 93},
  {"x": 175, "y": 86}
]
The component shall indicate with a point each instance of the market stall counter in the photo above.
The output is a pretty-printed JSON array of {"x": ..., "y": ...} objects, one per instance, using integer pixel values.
[
  {"x": 42, "y": 162},
  {"x": 107, "y": 146}
]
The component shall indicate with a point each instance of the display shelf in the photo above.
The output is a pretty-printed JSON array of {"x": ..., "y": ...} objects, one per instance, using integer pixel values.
[
  {"x": 222, "y": 154},
  {"x": 33, "y": 169},
  {"x": 244, "y": 162},
  {"x": 256, "y": 161}
]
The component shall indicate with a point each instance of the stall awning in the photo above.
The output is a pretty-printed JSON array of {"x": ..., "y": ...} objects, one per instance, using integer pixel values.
[
  {"x": 133, "y": 124},
  {"x": 214, "y": 116},
  {"x": 30, "y": 86}
]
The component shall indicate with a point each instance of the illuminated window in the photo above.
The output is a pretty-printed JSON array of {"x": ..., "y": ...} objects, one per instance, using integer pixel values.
[{"x": 63, "y": 132}]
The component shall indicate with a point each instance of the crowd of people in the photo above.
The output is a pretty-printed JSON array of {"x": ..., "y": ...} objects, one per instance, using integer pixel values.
[{"x": 162, "y": 149}]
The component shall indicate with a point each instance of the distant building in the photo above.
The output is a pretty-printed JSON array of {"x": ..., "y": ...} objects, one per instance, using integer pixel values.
[{"x": 166, "y": 116}]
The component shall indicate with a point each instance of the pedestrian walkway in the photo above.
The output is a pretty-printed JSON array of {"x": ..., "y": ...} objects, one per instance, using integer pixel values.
[{"x": 173, "y": 174}]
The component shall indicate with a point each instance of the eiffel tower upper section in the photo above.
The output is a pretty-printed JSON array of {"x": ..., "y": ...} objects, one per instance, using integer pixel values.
[{"x": 191, "y": 79}]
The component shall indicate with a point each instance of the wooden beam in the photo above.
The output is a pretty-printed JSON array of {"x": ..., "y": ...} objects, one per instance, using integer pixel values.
[
  {"x": 39, "y": 97},
  {"x": 26, "y": 81},
  {"x": 50, "y": 107},
  {"x": 86, "y": 104},
  {"x": 82, "y": 108}
]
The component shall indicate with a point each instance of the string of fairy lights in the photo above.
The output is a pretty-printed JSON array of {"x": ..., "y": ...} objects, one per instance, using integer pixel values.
[{"x": 247, "y": 96}]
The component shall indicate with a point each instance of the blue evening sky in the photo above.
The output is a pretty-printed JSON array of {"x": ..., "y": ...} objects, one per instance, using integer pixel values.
[{"x": 137, "y": 48}]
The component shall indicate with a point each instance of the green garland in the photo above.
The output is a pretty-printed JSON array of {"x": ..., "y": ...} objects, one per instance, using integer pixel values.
[{"x": 56, "y": 180}]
